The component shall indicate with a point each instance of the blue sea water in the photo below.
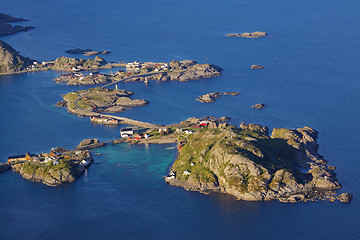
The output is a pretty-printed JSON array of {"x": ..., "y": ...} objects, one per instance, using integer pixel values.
[{"x": 311, "y": 77}]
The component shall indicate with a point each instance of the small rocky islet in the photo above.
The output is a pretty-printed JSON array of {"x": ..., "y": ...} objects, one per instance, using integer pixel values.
[
  {"x": 211, "y": 97},
  {"x": 256, "y": 34}
]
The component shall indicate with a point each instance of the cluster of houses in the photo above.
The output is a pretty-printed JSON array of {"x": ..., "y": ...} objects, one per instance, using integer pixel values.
[
  {"x": 132, "y": 133},
  {"x": 133, "y": 66},
  {"x": 70, "y": 76},
  {"x": 156, "y": 67},
  {"x": 84, "y": 156},
  {"x": 103, "y": 120},
  {"x": 35, "y": 65}
]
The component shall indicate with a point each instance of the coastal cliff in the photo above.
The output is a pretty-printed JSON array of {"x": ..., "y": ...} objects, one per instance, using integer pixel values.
[
  {"x": 11, "y": 61},
  {"x": 251, "y": 165}
]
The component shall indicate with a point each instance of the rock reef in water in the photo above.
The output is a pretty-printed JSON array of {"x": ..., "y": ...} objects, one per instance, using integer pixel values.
[
  {"x": 256, "y": 34},
  {"x": 7, "y": 29},
  {"x": 210, "y": 97},
  {"x": 251, "y": 165},
  {"x": 258, "y": 106},
  {"x": 255, "y": 67}
]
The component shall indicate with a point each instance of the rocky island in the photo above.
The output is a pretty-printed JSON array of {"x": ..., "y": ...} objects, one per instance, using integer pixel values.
[
  {"x": 252, "y": 165},
  {"x": 186, "y": 70},
  {"x": 7, "y": 29},
  {"x": 59, "y": 166},
  {"x": 100, "y": 100}
]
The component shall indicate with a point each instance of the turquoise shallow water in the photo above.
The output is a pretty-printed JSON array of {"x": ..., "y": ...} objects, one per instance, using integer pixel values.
[{"x": 311, "y": 60}]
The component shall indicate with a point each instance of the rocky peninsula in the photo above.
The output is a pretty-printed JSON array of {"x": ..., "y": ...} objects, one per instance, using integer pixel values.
[
  {"x": 7, "y": 29},
  {"x": 252, "y": 165}
]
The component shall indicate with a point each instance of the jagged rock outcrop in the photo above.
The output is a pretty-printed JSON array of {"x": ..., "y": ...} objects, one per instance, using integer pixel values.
[
  {"x": 11, "y": 61},
  {"x": 248, "y": 163}
]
